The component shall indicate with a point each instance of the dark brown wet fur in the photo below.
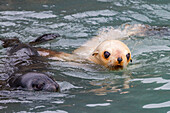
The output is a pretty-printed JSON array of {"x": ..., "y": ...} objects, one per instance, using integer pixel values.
[{"x": 30, "y": 70}]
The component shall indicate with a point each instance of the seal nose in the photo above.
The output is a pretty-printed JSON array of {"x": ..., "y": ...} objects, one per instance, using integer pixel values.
[
  {"x": 57, "y": 88},
  {"x": 53, "y": 88},
  {"x": 119, "y": 59}
]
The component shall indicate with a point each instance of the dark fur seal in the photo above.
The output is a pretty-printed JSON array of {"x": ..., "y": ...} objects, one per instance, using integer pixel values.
[{"x": 29, "y": 68}]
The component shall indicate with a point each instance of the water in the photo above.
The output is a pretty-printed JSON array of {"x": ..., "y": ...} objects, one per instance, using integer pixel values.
[{"x": 87, "y": 88}]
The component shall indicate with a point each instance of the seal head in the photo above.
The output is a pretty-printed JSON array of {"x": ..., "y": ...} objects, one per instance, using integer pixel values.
[
  {"x": 112, "y": 54},
  {"x": 35, "y": 81}
]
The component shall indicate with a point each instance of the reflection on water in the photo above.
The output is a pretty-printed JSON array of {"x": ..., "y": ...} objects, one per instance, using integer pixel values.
[
  {"x": 111, "y": 85},
  {"x": 142, "y": 87}
]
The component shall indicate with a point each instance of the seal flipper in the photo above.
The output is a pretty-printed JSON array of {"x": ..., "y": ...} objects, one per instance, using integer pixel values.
[
  {"x": 55, "y": 55},
  {"x": 44, "y": 38}
]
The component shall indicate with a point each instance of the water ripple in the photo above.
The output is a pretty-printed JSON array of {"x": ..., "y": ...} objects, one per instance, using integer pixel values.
[
  {"x": 95, "y": 105},
  {"x": 158, "y": 80},
  {"x": 158, "y": 105},
  {"x": 15, "y": 15},
  {"x": 91, "y": 14}
]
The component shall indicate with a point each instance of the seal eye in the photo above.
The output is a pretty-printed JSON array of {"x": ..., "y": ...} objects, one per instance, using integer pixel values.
[
  {"x": 106, "y": 54},
  {"x": 38, "y": 86},
  {"x": 128, "y": 56}
]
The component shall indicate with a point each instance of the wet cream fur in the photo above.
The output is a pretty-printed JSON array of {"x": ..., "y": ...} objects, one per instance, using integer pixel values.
[
  {"x": 116, "y": 49},
  {"x": 109, "y": 34},
  {"x": 107, "y": 40}
]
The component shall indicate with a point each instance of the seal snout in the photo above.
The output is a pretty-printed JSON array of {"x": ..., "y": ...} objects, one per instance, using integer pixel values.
[
  {"x": 119, "y": 59},
  {"x": 52, "y": 87},
  {"x": 46, "y": 85}
]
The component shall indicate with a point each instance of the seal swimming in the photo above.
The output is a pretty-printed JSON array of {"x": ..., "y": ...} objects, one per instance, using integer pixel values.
[
  {"x": 28, "y": 67},
  {"x": 105, "y": 49}
]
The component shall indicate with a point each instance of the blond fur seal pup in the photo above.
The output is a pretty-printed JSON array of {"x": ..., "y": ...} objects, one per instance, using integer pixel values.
[{"x": 104, "y": 49}]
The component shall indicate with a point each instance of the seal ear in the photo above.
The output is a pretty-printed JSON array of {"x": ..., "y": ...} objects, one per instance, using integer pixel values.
[
  {"x": 95, "y": 57},
  {"x": 95, "y": 53}
]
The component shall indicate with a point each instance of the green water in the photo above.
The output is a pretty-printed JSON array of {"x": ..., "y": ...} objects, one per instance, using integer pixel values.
[{"x": 144, "y": 87}]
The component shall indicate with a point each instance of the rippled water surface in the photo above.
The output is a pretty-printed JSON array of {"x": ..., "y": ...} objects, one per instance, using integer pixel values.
[{"x": 143, "y": 87}]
